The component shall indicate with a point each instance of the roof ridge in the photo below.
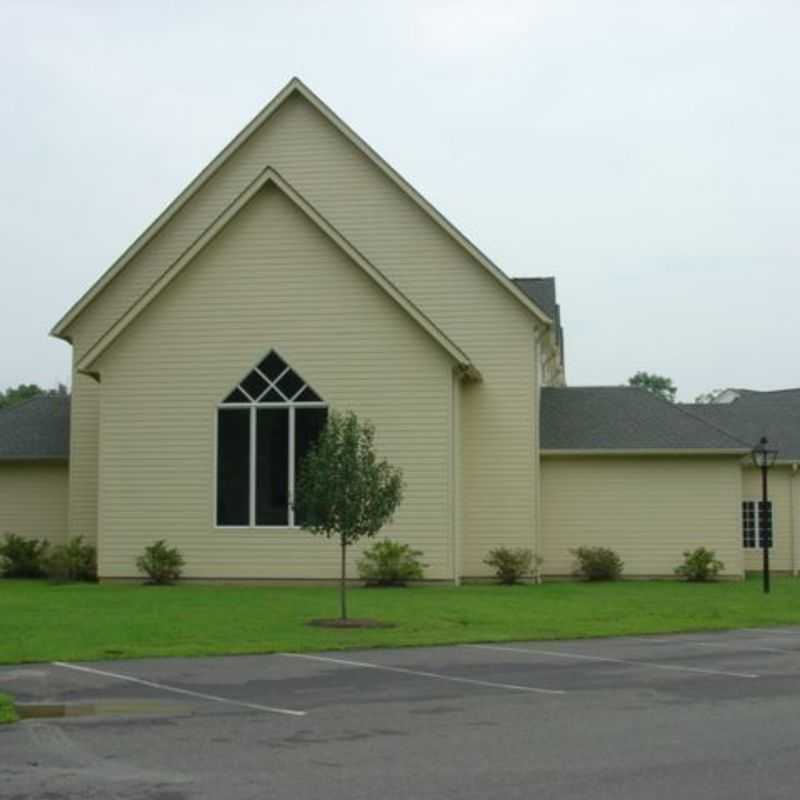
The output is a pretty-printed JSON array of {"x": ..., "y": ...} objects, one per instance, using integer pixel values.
[
  {"x": 46, "y": 395},
  {"x": 709, "y": 424}
]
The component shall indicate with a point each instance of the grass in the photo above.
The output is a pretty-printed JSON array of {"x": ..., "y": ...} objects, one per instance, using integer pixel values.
[
  {"x": 73, "y": 622},
  {"x": 7, "y": 711}
]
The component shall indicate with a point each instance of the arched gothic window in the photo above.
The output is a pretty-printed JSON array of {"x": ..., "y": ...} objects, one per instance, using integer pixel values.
[{"x": 265, "y": 427}]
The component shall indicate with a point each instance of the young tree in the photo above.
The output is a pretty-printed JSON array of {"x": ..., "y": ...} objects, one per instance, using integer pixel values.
[
  {"x": 343, "y": 490},
  {"x": 657, "y": 384}
]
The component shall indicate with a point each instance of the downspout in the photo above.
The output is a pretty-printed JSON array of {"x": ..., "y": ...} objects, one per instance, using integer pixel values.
[
  {"x": 794, "y": 509},
  {"x": 455, "y": 476},
  {"x": 538, "y": 375}
]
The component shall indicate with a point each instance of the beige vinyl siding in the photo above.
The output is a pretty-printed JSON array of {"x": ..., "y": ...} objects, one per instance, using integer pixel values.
[
  {"x": 33, "y": 499},
  {"x": 780, "y": 493},
  {"x": 648, "y": 509},
  {"x": 271, "y": 279},
  {"x": 460, "y": 296},
  {"x": 83, "y": 449}
]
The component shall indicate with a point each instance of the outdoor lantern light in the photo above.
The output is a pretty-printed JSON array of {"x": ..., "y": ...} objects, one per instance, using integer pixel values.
[{"x": 763, "y": 459}]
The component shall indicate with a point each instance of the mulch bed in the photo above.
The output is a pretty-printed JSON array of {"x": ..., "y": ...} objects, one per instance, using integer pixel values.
[{"x": 350, "y": 623}]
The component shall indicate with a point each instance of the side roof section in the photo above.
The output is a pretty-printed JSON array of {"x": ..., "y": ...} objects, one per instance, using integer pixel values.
[
  {"x": 598, "y": 419},
  {"x": 294, "y": 85},
  {"x": 753, "y": 414},
  {"x": 36, "y": 430}
]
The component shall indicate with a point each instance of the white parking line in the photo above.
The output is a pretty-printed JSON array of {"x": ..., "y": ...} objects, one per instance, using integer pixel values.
[
  {"x": 723, "y": 645},
  {"x": 178, "y": 690},
  {"x": 419, "y": 673},
  {"x": 790, "y": 634},
  {"x": 578, "y": 656}
]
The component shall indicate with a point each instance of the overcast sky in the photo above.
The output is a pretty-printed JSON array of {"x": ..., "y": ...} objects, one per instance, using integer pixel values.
[{"x": 647, "y": 154}]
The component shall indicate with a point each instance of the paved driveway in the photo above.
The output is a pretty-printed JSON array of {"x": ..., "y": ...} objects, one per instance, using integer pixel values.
[{"x": 690, "y": 716}]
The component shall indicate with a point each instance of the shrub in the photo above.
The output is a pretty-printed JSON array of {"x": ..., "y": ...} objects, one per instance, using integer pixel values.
[
  {"x": 72, "y": 561},
  {"x": 597, "y": 564},
  {"x": 510, "y": 564},
  {"x": 21, "y": 557},
  {"x": 160, "y": 563},
  {"x": 699, "y": 565},
  {"x": 389, "y": 563}
]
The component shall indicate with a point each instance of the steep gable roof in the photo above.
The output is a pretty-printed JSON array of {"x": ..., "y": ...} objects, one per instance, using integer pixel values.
[
  {"x": 295, "y": 85},
  {"x": 271, "y": 177},
  {"x": 542, "y": 291},
  {"x": 596, "y": 419},
  {"x": 752, "y": 415},
  {"x": 37, "y": 429}
]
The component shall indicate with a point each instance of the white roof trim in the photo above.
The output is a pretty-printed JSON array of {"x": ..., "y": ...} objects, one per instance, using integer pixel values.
[
  {"x": 269, "y": 175},
  {"x": 294, "y": 85},
  {"x": 664, "y": 451}
]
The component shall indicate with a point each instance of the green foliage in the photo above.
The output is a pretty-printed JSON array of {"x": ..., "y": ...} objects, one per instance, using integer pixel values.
[
  {"x": 72, "y": 561},
  {"x": 25, "y": 391},
  {"x": 389, "y": 563},
  {"x": 21, "y": 557},
  {"x": 162, "y": 564},
  {"x": 657, "y": 384},
  {"x": 511, "y": 564},
  {"x": 597, "y": 564},
  {"x": 343, "y": 490},
  {"x": 699, "y": 565}
]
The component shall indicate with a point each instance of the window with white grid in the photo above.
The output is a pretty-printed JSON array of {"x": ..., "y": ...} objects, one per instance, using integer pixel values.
[
  {"x": 265, "y": 427},
  {"x": 756, "y": 523}
]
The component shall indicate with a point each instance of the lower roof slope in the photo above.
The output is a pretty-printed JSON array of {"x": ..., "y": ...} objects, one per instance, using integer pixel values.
[
  {"x": 752, "y": 415},
  {"x": 36, "y": 429},
  {"x": 624, "y": 418}
]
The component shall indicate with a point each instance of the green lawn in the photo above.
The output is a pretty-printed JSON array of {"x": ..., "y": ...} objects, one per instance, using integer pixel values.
[
  {"x": 7, "y": 712},
  {"x": 45, "y": 622}
]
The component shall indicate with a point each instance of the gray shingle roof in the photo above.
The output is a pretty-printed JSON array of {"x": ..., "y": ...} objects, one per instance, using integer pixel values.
[
  {"x": 35, "y": 429},
  {"x": 775, "y": 415},
  {"x": 624, "y": 418},
  {"x": 543, "y": 292}
]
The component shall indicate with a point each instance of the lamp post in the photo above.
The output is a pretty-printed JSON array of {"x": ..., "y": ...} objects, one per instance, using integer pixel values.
[{"x": 763, "y": 459}]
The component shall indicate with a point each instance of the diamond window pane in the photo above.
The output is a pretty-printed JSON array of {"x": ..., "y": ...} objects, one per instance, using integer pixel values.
[
  {"x": 290, "y": 384},
  {"x": 308, "y": 395},
  {"x": 237, "y": 396},
  {"x": 272, "y": 397},
  {"x": 254, "y": 385},
  {"x": 272, "y": 365}
]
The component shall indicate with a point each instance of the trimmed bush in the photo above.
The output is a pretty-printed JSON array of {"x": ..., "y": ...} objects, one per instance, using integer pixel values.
[
  {"x": 511, "y": 564},
  {"x": 389, "y": 563},
  {"x": 73, "y": 561},
  {"x": 699, "y": 565},
  {"x": 21, "y": 557},
  {"x": 597, "y": 564},
  {"x": 162, "y": 564}
]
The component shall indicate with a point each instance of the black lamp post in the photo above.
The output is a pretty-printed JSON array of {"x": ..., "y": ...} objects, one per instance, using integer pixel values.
[{"x": 764, "y": 458}]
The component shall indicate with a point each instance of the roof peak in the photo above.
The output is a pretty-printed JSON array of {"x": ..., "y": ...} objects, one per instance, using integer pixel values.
[{"x": 295, "y": 84}]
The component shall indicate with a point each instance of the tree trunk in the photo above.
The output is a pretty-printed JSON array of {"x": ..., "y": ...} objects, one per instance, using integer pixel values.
[{"x": 344, "y": 579}]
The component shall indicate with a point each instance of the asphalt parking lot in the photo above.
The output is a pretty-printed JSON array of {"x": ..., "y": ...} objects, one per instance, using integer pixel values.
[{"x": 708, "y": 715}]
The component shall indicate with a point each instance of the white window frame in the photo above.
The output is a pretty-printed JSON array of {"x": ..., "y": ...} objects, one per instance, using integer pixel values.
[
  {"x": 254, "y": 405},
  {"x": 757, "y": 523}
]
